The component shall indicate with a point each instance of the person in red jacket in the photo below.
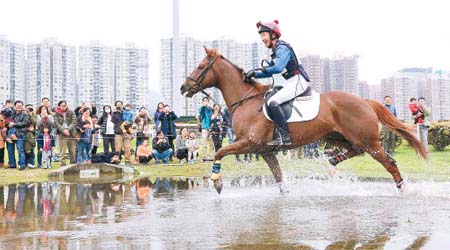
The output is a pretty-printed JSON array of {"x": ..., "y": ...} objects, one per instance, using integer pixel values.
[{"x": 416, "y": 111}]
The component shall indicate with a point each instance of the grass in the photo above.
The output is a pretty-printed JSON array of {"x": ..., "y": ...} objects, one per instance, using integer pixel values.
[{"x": 412, "y": 167}]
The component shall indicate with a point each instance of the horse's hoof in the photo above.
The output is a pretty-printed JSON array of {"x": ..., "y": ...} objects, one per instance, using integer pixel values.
[
  {"x": 218, "y": 185},
  {"x": 283, "y": 189},
  {"x": 401, "y": 186},
  {"x": 331, "y": 171}
]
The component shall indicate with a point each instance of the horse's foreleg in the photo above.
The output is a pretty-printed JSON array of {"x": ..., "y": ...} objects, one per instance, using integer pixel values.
[
  {"x": 339, "y": 157},
  {"x": 238, "y": 147}
]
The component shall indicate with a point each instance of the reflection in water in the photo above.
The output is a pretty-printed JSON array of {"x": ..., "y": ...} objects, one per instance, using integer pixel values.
[
  {"x": 178, "y": 213},
  {"x": 51, "y": 206}
]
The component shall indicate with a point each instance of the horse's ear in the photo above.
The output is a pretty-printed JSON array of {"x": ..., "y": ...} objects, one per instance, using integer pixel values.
[{"x": 207, "y": 51}]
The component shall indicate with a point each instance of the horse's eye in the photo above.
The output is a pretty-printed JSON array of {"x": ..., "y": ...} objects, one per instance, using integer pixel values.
[{"x": 201, "y": 66}]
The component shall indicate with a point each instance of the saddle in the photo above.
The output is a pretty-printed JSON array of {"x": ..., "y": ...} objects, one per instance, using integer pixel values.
[{"x": 289, "y": 105}]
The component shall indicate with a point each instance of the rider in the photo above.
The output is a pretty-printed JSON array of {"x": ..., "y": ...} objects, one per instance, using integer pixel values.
[{"x": 284, "y": 62}]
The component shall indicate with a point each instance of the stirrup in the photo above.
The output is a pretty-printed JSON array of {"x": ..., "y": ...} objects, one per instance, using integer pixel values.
[
  {"x": 287, "y": 142},
  {"x": 276, "y": 142},
  {"x": 279, "y": 142}
]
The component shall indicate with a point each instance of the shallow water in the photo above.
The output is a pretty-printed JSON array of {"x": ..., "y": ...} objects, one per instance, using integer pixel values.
[{"x": 186, "y": 213}]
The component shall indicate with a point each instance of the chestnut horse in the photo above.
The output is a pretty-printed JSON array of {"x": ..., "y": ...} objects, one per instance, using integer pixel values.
[{"x": 345, "y": 120}]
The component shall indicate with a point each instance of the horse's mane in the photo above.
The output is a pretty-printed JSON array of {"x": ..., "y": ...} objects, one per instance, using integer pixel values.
[{"x": 257, "y": 85}]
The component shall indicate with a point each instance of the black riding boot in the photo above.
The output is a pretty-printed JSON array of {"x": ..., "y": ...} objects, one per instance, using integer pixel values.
[{"x": 280, "y": 120}]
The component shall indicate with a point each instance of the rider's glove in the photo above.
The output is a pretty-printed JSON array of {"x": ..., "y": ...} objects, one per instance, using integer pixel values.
[{"x": 248, "y": 75}]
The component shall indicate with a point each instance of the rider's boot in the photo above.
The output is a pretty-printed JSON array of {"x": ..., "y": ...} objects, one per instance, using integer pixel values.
[{"x": 280, "y": 120}]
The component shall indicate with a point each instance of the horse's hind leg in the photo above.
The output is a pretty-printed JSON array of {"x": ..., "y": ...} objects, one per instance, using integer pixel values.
[
  {"x": 377, "y": 152},
  {"x": 274, "y": 166},
  {"x": 272, "y": 162}
]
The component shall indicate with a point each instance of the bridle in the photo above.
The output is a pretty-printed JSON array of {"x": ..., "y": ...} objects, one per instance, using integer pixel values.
[{"x": 197, "y": 86}]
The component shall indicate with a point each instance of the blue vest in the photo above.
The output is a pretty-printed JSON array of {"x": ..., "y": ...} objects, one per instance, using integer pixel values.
[{"x": 293, "y": 67}]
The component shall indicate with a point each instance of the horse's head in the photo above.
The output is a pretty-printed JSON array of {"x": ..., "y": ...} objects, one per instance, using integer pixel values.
[{"x": 203, "y": 76}]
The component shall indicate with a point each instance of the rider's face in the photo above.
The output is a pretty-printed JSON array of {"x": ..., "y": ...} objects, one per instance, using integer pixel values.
[{"x": 265, "y": 38}]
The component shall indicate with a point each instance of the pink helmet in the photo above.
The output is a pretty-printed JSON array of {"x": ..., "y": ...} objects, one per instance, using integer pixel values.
[{"x": 268, "y": 27}]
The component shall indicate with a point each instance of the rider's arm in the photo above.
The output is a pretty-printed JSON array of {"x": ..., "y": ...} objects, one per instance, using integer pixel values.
[{"x": 283, "y": 55}]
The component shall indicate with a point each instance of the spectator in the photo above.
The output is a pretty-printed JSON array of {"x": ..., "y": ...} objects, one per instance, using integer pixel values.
[
  {"x": 127, "y": 114},
  {"x": 31, "y": 115},
  {"x": 45, "y": 142},
  {"x": 2, "y": 141},
  {"x": 389, "y": 136},
  {"x": 30, "y": 136},
  {"x": 29, "y": 145},
  {"x": 9, "y": 112},
  {"x": 217, "y": 130},
  {"x": 424, "y": 123},
  {"x": 142, "y": 122},
  {"x": 8, "y": 104},
  {"x": 46, "y": 102},
  {"x": 85, "y": 129},
  {"x": 182, "y": 149},
  {"x": 95, "y": 135},
  {"x": 158, "y": 113},
  {"x": 168, "y": 124},
  {"x": 161, "y": 148},
  {"x": 227, "y": 126},
  {"x": 310, "y": 150},
  {"x": 106, "y": 157},
  {"x": 122, "y": 141},
  {"x": 192, "y": 145},
  {"x": 44, "y": 118},
  {"x": 249, "y": 157},
  {"x": 143, "y": 152},
  {"x": 107, "y": 129},
  {"x": 19, "y": 123},
  {"x": 204, "y": 123},
  {"x": 83, "y": 105},
  {"x": 6, "y": 113},
  {"x": 127, "y": 130},
  {"x": 65, "y": 123},
  {"x": 416, "y": 113}
]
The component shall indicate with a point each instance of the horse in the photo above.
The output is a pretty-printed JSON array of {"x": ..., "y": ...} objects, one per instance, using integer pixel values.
[{"x": 344, "y": 120}]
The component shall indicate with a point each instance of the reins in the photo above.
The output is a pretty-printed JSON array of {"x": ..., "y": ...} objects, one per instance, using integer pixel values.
[{"x": 236, "y": 104}]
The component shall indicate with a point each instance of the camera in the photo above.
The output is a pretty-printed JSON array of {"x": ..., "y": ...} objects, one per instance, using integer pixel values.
[{"x": 8, "y": 112}]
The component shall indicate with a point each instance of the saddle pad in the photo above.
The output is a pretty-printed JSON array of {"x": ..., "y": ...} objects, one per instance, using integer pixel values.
[{"x": 308, "y": 107}]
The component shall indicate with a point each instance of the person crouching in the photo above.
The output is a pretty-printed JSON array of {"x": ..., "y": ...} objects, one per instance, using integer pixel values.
[
  {"x": 161, "y": 148},
  {"x": 143, "y": 153}
]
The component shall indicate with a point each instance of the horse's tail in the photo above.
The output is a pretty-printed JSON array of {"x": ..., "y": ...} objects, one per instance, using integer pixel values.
[{"x": 390, "y": 121}]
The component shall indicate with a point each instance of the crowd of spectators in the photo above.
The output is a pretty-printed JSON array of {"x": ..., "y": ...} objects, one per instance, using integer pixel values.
[{"x": 83, "y": 134}]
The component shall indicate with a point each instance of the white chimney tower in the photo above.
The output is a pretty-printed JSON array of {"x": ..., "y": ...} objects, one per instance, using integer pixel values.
[{"x": 177, "y": 79}]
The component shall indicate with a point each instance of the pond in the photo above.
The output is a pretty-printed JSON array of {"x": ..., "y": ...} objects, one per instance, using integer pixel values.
[{"x": 186, "y": 213}]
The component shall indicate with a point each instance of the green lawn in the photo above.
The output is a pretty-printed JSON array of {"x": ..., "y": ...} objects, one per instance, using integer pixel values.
[{"x": 412, "y": 167}]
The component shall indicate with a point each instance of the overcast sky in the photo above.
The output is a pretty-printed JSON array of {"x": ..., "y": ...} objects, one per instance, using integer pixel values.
[{"x": 388, "y": 35}]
